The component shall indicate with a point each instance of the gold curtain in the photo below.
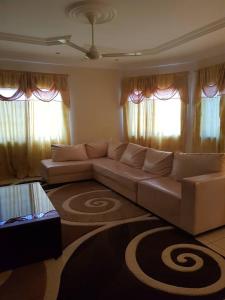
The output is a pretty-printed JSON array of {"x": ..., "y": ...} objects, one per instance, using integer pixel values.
[
  {"x": 33, "y": 82},
  {"x": 210, "y": 81},
  {"x": 157, "y": 85},
  {"x": 26, "y": 131}
]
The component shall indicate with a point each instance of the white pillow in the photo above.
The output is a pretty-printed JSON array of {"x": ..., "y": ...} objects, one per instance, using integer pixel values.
[
  {"x": 65, "y": 153},
  {"x": 194, "y": 164},
  {"x": 115, "y": 150},
  {"x": 158, "y": 162},
  {"x": 134, "y": 155},
  {"x": 96, "y": 150}
]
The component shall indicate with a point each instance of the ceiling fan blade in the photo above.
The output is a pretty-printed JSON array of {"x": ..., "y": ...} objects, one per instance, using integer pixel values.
[
  {"x": 75, "y": 46},
  {"x": 121, "y": 54}
]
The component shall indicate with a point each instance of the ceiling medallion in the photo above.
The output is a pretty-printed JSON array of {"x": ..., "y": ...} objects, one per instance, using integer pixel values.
[{"x": 98, "y": 11}]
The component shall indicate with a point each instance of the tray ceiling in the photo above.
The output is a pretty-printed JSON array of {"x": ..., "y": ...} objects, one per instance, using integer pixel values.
[{"x": 139, "y": 25}]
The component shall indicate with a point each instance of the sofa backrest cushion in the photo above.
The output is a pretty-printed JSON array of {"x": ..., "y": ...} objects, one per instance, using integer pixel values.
[
  {"x": 194, "y": 164},
  {"x": 66, "y": 152},
  {"x": 134, "y": 155},
  {"x": 158, "y": 162},
  {"x": 97, "y": 149},
  {"x": 115, "y": 150}
]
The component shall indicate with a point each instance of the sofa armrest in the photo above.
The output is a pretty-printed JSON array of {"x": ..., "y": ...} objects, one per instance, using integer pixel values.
[{"x": 203, "y": 203}]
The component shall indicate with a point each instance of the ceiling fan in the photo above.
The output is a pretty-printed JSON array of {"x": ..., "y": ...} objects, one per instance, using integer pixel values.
[{"x": 93, "y": 12}]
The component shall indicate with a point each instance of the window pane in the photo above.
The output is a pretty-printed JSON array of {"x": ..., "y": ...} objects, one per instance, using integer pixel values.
[
  {"x": 47, "y": 120},
  {"x": 132, "y": 118},
  {"x": 12, "y": 122},
  {"x": 167, "y": 117},
  {"x": 210, "y": 117},
  {"x": 43, "y": 121},
  {"x": 7, "y": 92},
  {"x": 154, "y": 117}
]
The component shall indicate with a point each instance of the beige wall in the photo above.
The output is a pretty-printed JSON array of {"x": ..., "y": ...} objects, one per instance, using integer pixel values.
[{"x": 95, "y": 111}]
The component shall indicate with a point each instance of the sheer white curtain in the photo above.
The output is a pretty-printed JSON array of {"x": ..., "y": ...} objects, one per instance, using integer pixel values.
[
  {"x": 154, "y": 120},
  {"x": 45, "y": 122},
  {"x": 27, "y": 130},
  {"x": 210, "y": 118}
]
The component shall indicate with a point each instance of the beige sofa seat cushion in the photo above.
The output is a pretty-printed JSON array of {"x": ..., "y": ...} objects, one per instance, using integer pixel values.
[
  {"x": 134, "y": 156},
  {"x": 158, "y": 162},
  {"x": 69, "y": 153},
  {"x": 161, "y": 196},
  {"x": 52, "y": 168},
  {"x": 115, "y": 150},
  {"x": 194, "y": 164},
  {"x": 120, "y": 172},
  {"x": 96, "y": 150}
]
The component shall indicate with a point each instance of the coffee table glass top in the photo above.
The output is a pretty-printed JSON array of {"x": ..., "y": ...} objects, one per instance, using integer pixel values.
[{"x": 24, "y": 202}]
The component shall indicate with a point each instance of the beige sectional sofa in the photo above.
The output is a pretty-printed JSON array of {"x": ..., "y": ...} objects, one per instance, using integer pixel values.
[{"x": 187, "y": 190}]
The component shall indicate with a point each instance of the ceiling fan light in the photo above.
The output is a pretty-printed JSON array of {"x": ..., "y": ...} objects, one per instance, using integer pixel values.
[
  {"x": 62, "y": 41},
  {"x": 138, "y": 53},
  {"x": 94, "y": 55}
]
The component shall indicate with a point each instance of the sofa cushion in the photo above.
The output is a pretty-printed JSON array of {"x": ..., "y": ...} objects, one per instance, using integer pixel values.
[
  {"x": 96, "y": 150},
  {"x": 194, "y": 164},
  {"x": 158, "y": 162},
  {"x": 66, "y": 152},
  {"x": 161, "y": 196},
  {"x": 52, "y": 168},
  {"x": 165, "y": 184},
  {"x": 134, "y": 156},
  {"x": 115, "y": 150},
  {"x": 120, "y": 172}
]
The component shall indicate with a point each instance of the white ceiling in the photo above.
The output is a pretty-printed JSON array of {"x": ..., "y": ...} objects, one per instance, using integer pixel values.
[{"x": 140, "y": 24}]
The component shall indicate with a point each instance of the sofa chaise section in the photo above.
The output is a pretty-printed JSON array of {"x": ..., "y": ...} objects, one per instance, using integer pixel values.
[{"x": 66, "y": 171}]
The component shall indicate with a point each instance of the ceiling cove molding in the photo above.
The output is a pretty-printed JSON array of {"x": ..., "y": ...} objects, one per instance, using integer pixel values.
[
  {"x": 209, "y": 28},
  {"x": 77, "y": 64},
  {"x": 33, "y": 40}
]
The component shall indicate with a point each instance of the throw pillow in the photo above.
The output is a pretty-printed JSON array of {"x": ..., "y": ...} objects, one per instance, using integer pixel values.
[
  {"x": 134, "y": 155},
  {"x": 115, "y": 150},
  {"x": 158, "y": 162},
  {"x": 65, "y": 153},
  {"x": 96, "y": 150}
]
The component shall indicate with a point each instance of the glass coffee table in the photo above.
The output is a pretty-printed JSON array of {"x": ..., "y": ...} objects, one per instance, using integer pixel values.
[{"x": 30, "y": 226}]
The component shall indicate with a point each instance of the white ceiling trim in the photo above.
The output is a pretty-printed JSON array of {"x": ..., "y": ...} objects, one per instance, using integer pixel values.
[
  {"x": 53, "y": 41},
  {"x": 209, "y": 28}
]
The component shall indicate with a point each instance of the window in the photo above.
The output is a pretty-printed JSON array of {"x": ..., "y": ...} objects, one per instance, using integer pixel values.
[
  {"x": 210, "y": 117},
  {"x": 27, "y": 130},
  {"x": 42, "y": 121},
  {"x": 155, "y": 118}
]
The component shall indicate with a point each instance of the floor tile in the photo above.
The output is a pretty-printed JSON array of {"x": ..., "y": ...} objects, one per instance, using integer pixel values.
[
  {"x": 220, "y": 243},
  {"x": 212, "y": 236},
  {"x": 217, "y": 249}
]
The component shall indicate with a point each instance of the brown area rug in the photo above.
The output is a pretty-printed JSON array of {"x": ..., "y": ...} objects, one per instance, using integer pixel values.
[{"x": 113, "y": 249}]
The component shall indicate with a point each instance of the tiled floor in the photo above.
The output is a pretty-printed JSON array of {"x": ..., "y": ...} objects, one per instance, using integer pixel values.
[{"x": 214, "y": 239}]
